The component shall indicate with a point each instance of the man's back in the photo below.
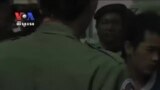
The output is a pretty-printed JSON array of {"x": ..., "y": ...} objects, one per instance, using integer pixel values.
[{"x": 52, "y": 59}]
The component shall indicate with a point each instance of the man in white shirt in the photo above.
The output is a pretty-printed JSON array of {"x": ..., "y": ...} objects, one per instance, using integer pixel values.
[{"x": 142, "y": 50}]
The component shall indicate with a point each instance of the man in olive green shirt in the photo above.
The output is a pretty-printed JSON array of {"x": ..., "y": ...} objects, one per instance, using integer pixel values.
[{"x": 53, "y": 58}]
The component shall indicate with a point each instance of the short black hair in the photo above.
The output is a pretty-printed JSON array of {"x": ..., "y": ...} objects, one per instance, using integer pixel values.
[
  {"x": 147, "y": 21},
  {"x": 66, "y": 10},
  {"x": 120, "y": 9},
  {"x": 116, "y": 8}
]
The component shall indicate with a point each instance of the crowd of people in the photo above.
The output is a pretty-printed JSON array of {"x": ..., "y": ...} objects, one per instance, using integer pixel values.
[{"x": 50, "y": 56}]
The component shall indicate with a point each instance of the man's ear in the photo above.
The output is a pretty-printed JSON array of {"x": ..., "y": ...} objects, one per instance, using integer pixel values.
[
  {"x": 128, "y": 48},
  {"x": 96, "y": 24}
]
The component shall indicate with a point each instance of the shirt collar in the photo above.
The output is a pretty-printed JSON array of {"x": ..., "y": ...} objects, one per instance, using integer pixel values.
[
  {"x": 99, "y": 45},
  {"x": 56, "y": 28}
]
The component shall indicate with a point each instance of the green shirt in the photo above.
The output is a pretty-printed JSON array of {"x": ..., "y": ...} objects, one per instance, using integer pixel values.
[
  {"x": 114, "y": 55},
  {"x": 53, "y": 59}
]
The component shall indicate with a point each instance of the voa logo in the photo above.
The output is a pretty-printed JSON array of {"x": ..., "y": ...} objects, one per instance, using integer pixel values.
[{"x": 24, "y": 19}]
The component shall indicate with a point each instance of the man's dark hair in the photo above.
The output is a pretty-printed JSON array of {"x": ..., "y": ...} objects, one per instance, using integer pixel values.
[
  {"x": 119, "y": 9},
  {"x": 66, "y": 10},
  {"x": 147, "y": 21}
]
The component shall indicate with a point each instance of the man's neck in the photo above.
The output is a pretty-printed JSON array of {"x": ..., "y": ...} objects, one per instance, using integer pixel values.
[
  {"x": 74, "y": 29},
  {"x": 111, "y": 48},
  {"x": 48, "y": 20},
  {"x": 139, "y": 79}
]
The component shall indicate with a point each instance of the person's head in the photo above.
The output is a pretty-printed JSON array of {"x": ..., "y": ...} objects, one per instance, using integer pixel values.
[
  {"x": 77, "y": 13},
  {"x": 111, "y": 21},
  {"x": 142, "y": 46}
]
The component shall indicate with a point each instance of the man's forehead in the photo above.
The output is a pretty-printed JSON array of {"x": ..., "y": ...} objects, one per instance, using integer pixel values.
[{"x": 111, "y": 14}]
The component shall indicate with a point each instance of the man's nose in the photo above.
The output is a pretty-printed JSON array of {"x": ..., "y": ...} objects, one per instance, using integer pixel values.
[
  {"x": 110, "y": 27},
  {"x": 155, "y": 57}
]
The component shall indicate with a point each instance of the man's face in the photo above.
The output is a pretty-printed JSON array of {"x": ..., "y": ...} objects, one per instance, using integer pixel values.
[
  {"x": 109, "y": 28},
  {"x": 146, "y": 56}
]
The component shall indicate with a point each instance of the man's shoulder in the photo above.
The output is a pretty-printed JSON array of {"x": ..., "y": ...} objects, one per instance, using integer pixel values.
[
  {"x": 116, "y": 57},
  {"x": 56, "y": 44}
]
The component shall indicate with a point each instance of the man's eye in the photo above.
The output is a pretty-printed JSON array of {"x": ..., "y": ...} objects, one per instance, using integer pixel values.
[{"x": 104, "y": 22}]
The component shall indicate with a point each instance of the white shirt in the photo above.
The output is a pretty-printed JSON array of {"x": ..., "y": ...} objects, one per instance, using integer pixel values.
[{"x": 151, "y": 82}]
